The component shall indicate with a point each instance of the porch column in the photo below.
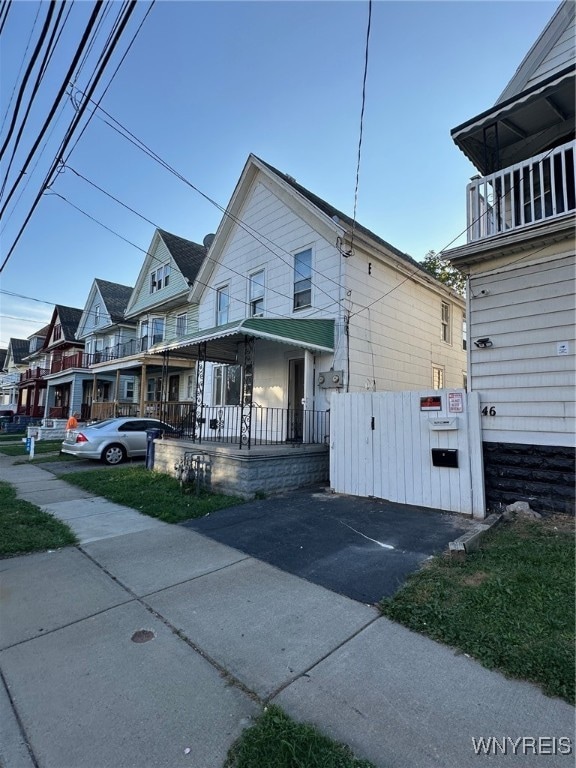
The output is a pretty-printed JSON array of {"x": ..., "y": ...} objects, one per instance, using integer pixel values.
[
  {"x": 309, "y": 421},
  {"x": 199, "y": 412},
  {"x": 35, "y": 399},
  {"x": 94, "y": 392},
  {"x": 142, "y": 389},
  {"x": 117, "y": 391},
  {"x": 247, "y": 388}
]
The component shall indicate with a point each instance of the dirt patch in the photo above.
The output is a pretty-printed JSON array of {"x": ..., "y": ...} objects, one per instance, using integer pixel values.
[{"x": 475, "y": 579}]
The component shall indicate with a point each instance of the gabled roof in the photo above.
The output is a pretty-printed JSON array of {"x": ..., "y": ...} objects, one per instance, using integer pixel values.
[
  {"x": 41, "y": 334},
  {"x": 3, "y": 356},
  {"x": 334, "y": 213},
  {"x": 115, "y": 298},
  {"x": 552, "y": 51},
  {"x": 19, "y": 348},
  {"x": 187, "y": 255},
  {"x": 69, "y": 318}
]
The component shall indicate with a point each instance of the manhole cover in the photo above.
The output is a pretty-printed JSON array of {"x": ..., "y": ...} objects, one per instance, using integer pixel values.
[{"x": 142, "y": 636}]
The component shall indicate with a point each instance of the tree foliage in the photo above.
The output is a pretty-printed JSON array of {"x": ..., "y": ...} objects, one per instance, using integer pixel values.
[{"x": 443, "y": 271}]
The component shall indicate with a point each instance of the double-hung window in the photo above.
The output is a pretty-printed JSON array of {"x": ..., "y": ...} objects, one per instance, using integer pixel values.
[
  {"x": 157, "y": 330},
  {"x": 256, "y": 294},
  {"x": 143, "y": 336},
  {"x": 437, "y": 377},
  {"x": 159, "y": 278},
  {"x": 222, "y": 304},
  {"x": 303, "y": 279},
  {"x": 96, "y": 314},
  {"x": 181, "y": 325},
  {"x": 227, "y": 385},
  {"x": 445, "y": 319}
]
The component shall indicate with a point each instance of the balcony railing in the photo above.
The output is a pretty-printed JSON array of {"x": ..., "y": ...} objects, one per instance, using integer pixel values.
[
  {"x": 108, "y": 354},
  {"x": 33, "y": 374},
  {"x": 65, "y": 363},
  {"x": 538, "y": 189}
]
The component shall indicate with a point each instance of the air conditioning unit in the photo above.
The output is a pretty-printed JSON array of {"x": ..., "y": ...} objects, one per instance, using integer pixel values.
[{"x": 328, "y": 379}]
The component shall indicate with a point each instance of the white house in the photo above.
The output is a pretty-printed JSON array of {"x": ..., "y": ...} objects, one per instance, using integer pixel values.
[
  {"x": 520, "y": 264},
  {"x": 296, "y": 304}
]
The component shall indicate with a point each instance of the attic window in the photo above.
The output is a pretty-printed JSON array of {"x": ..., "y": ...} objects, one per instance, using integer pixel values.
[
  {"x": 159, "y": 278},
  {"x": 96, "y": 314},
  {"x": 57, "y": 334}
]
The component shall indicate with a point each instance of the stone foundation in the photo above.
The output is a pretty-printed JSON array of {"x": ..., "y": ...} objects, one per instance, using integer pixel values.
[
  {"x": 542, "y": 475},
  {"x": 262, "y": 469},
  {"x": 50, "y": 429}
]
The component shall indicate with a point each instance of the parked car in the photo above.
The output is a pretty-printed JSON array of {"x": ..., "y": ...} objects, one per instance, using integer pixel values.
[{"x": 113, "y": 440}]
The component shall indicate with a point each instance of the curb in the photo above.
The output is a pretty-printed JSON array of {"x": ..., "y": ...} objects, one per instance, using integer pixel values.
[{"x": 470, "y": 540}]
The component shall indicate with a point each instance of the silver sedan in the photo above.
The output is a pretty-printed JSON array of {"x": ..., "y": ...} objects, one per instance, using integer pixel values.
[{"x": 113, "y": 440}]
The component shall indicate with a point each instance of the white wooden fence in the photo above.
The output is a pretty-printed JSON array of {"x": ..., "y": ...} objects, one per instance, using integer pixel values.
[{"x": 386, "y": 445}]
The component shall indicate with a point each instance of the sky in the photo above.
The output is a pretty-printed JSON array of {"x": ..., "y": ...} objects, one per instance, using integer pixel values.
[{"x": 206, "y": 83}]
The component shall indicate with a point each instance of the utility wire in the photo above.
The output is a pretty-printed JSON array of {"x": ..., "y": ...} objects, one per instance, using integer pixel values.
[{"x": 366, "y": 49}]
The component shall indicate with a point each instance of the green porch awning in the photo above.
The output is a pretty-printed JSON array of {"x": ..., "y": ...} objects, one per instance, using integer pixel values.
[{"x": 315, "y": 335}]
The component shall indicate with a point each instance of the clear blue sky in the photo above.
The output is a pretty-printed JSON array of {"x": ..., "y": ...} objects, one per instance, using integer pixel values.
[{"x": 205, "y": 84}]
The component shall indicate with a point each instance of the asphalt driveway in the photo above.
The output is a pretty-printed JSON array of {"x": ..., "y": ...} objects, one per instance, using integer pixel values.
[{"x": 361, "y": 548}]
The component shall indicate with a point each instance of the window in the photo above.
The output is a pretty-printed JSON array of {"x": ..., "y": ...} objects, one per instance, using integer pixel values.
[
  {"x": 303, "y": 279},
  {"x": 222, "y": 304},
  {"x": 226, "y": 389},
  {"x": 181, "y": 325},
  {"x": 143, "y": 335},
  {"x": 159, "y": 278},
  {"x": 57, "y": 334},
  {"x": 190, "y": 387},
  {"x": 464, "y": 333},
  {"x": 256, "y": 294},
  {"x": 129, "y": 389},
  {"x": 464, "y": 380},
  {"x": 96, "y": 314},
  {"x": 157, "y": 330},
  {"x": 154, "y": 389},
  {"x": 437, "y": 377},
  {"x": 446, "y": 322}
]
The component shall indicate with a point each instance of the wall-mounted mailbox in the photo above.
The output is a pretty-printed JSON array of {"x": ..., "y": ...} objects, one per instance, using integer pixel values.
[
  {"x": 437, "y": 425},
  {"x": 445, "y": 457}
]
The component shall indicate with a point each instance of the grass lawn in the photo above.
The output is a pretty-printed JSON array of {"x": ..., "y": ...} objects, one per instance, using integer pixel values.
[
  {"x": 49, "y": 457},
  {"x": 25, "y": 528},
  {"x": 40, "y": 446},
  {"x": 11, "y": 437},
  {"x": 510, "y": 604},
  {"x": 151, "y": 493},
  {"x": 276, "y": 741}
]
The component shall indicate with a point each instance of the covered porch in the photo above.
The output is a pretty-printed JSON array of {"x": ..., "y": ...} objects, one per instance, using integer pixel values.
[{"x": 255, "y": 383}]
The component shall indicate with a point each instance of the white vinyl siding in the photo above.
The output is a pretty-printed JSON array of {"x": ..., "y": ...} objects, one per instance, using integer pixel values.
[{"x": 526, "y": 311}]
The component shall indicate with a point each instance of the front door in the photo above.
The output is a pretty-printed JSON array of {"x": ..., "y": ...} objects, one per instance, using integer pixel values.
[
  {"x": 173, "y": 388},
  {"x": 295, "y": 397}
]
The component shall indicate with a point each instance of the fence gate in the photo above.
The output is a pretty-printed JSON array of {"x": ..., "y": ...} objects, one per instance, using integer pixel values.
[{"x": 416, "y": 448}]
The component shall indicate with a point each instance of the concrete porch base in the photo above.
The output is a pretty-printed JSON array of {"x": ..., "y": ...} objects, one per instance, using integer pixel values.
[{"x": 263, "y": 468}]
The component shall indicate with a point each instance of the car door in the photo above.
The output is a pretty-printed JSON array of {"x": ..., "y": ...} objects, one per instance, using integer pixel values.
[{"x": 133, "y": 434}]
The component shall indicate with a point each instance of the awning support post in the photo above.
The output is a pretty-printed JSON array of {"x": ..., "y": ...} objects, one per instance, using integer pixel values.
[
  {"x": 247, "y": 389},
  {"x": 199, "y": 412}
]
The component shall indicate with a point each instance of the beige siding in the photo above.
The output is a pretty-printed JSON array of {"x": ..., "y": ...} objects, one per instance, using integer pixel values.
[
  {"x": 527, "y": 310},
  {"x": 398, "y": 339},
  {"x": 281, "y": 234}
]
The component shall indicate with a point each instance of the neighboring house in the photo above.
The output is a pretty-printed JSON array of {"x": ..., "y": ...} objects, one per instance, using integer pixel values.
[
  {"x": 32, "y": 384},
  {"x": 65, "y": 380},
  {"x": 521, "y": 267},
  {"x": 157, "y": 311},
  {"x": 12, "y": 367},
  {"x": 296, "y": 304},
  {"x": 107, "y": 336}
]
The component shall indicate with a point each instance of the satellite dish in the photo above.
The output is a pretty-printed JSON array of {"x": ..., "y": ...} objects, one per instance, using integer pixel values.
[{"x": 208, "y": 240}]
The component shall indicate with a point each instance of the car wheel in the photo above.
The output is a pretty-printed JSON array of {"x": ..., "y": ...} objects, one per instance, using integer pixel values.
[{"x": 113, "y": 454}]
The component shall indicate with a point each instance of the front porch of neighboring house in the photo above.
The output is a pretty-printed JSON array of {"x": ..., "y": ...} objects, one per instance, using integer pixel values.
[
  {"x": 258, "y": 420},
  {"x": 140, "y": 385},
  {"x": 32, "y": 392}
]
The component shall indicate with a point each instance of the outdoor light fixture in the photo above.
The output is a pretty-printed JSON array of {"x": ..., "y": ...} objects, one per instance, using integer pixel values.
[{"x": 483, "y": 343}]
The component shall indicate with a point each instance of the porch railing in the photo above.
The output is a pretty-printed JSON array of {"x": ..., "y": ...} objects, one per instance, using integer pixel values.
[
  {"x": 537, "y": 189},
  {"x": 58, "y": 412},
  {"x": 65, "y": 363},
  {"x": 110, "y": 410},
  {"x": 225, "y": 424},
  {"x": 35, "y": 411},
  {"x": 34, "y": 373}
]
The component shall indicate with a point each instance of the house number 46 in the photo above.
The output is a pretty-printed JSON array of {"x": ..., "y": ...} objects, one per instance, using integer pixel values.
[{"x": 488, "y": 411}]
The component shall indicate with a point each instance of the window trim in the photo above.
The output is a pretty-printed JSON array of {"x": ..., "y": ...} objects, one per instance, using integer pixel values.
[
  {"x": 296, "y": 282},
  {"x": 223, "y": 290},
  {"x": 179, "y": 333},
  {"x": 255, "y": 299},
  {"x": 446, "y": 322},
  {"x": 442, "y": 371},
  {"x": 220, "y": 374}
]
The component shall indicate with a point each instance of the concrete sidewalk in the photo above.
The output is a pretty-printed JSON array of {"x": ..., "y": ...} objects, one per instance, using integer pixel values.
[{"x": 151, "y": 645}]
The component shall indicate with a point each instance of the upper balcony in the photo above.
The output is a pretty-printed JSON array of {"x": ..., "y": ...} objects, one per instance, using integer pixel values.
[
  {"x": 66, "y": 363},
  {"x": 33, "y": 374},
  {"x": 538, "y": 189}
]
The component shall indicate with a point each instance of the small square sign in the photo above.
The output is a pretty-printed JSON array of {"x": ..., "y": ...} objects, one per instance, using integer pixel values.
[
  {"x": 455, "y": 402},
  {"x": 563, "y": 348}
]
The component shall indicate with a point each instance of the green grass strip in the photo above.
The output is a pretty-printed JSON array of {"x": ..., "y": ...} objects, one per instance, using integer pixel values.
[
  {"x": 152, "y": 493},
  {"x": 277, "y": 741},
  {"x": 510, "y": 604},
  {"x": 26, "y": 528},
  {"x": 40, "y": 446}
]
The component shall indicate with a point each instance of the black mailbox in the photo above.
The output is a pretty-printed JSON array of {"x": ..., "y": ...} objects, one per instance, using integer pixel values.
[{"x": 444, "y": 457}]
